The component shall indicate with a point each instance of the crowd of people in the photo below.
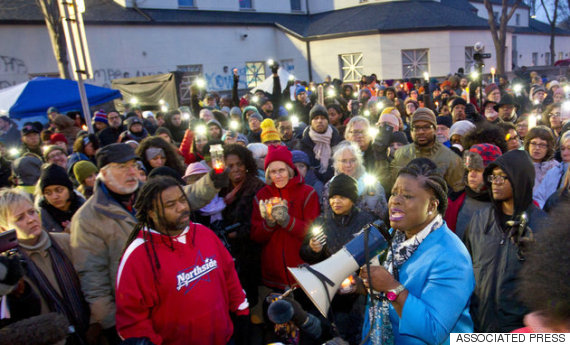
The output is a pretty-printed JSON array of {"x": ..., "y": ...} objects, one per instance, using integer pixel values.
[{"x": 179, "y": 227}]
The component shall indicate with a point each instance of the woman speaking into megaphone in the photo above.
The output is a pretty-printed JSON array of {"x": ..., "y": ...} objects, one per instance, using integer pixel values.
[{"x": 420, "y": 293}]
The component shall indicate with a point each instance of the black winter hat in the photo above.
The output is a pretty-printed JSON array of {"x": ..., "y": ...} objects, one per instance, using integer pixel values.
[
  {"x": 457, "y": 101},
  {"x": 54, "y": 175},
  {"x": 399, "y": 137},
  {"x": 444, "y": 120},
  {"x": 318, "y": 110},
  {"x": 344, "y": 185}
]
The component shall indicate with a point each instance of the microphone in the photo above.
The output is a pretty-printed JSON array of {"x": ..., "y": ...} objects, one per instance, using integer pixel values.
[{"x": 44, "y": 329}]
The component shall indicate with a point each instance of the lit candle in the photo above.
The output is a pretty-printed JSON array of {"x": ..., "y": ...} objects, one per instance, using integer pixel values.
[
  {"x": 493, "y": 73},
  {"x": 531, "y": 121}
]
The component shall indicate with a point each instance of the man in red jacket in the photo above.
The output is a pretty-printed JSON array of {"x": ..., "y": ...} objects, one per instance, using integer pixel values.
[{"x": 176, "y": 283}]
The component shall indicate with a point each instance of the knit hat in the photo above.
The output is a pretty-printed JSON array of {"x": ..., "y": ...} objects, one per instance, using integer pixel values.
[
  {"x": 54, "y": 175},
  {"x": 461, "y": 128},
  {"x": 52, "y": 110},
  {"x": 445, "y": 121},
  {"x": 83, "y": 169},
  {"x": 215, "y": 123},
  {"x": 195, "y": 169},
  {"x": 27, "y": 169},
  {"x": 318, "y": 110},
  {"x": 344, "y": 185},
  {"x": 115, "y": 153},
  {"x": 279, "y": 153},
  {"x": 242, "y": 138},
  {"x": 411, "y": 100},
  {"x": 479, "y": 156},
  {"x": 57, "y": 137},
  {"x": 457, "y": 101},
  {"x": 268, "y": 131},
  {"x": 235, "y": 111},
  {"x": 390, "y": 118},
  {"x": 399, "y": 137},
  {"x": 256, "y": 115},
  {"x": 30, "y": 127},
  {"x": 490, "y": 88},
  {"x": 424, "y": 114},
  {"x": 50, "y": 149},
  {"x": 300, "y": 157},
  {"x": 300, "y": 88},
  {"x": 132, "y": 121},
  {"x": 100, "y": 116},
  {"x": 552, "y": 83}
]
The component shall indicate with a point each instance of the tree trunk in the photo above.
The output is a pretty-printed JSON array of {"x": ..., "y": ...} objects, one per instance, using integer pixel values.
[
  {"x": 500, "y": 51},
  {"x": 499, "y": 34},
  {"x": 51, "y": 14}
]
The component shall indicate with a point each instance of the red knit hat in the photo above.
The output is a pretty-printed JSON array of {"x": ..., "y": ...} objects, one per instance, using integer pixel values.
[
  {"x": 54, "y": 138},
  {"x": 279, "y": 153}
]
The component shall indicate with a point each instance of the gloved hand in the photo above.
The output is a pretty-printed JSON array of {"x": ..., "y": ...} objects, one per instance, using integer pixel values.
[
  {"x": 274, "y": 68},
  {"x": 263, "y": 211},
  {"x": 299, "y": 315},
  {"x": 11, "y": 269},
  {"x": 280, "y": 213},
  {"x": 220, "y": 180},
  {"x": 242, "y": 329}
]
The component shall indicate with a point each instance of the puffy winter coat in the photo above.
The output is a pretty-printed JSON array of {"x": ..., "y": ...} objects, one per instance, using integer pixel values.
[
  {"x": 553, "y": 180},
  {"x": 281, "y": 244},
  {"x": 497, "y": 260}
]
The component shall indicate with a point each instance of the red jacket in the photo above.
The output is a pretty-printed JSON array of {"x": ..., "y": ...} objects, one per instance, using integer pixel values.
[
  {"x": 186, "y": 148},
  {"x": 189, "y": 300},
  {"x": 281, "y": 245}
]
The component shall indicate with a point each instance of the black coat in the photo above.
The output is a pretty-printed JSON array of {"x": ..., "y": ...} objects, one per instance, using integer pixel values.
[{"x": 497, "y": 260}]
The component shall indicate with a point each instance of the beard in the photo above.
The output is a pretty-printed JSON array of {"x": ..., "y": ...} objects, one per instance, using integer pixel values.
[
  {"x": 177, "y": 225},
  {"x": 118, "y": 188}
]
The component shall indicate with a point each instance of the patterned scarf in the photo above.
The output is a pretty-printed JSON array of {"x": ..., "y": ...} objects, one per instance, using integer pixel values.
[
  {"x": 401, "y": 250},
  {"x": 322, "y": 148},
  {"x": 71, "y": 302}
]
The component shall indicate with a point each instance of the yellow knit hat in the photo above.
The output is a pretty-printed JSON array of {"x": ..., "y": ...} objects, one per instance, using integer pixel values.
[{"x": 268, "y": 131}]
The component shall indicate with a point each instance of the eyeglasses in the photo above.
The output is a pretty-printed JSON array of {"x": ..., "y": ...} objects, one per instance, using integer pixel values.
[
  {"x": 542, "y": 146},
  {"x": 348, "y": 161},
  {"x": 422, "y": 128},
  {"x": 126, "y": 166},
  {"x": 55, "y": 154},
  {"x": 497, "y": 179},
  {"x": 280, "y": 172},
  {"x": 554, "y": 115},
  {"x": 356, "y": 132}
]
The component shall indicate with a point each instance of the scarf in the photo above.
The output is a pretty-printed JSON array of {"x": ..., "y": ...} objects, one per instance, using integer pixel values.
[
  {"x": 63, "y": 216},
  {"x": 71, "y": 302},
  {"x": 400, "y": 251},
  {"x": 322, "y": 148},
  {"x": 214, "y": 209}
]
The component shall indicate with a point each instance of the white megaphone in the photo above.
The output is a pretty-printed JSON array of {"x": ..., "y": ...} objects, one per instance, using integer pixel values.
[{"x": 321, "y": 281}]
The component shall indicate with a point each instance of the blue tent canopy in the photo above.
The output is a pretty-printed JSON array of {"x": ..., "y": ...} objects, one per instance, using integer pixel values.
[{"x": 34, "y": 97}]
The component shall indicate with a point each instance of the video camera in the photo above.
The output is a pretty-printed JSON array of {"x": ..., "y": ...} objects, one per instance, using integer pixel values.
[{"x": 8, "y": 241}]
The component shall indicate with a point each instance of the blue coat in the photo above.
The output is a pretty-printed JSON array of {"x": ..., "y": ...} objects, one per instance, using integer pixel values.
[
  {"x": 439, "y": 279},
  {"x": 553, "y": 180}
]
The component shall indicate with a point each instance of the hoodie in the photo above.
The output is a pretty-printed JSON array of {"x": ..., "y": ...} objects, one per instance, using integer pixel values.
[{"x": 497, "y": 254}]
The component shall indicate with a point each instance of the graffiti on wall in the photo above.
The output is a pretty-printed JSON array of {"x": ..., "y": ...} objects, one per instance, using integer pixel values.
[
  {"x": 12, "y": 71},
  {"x": 104, "y": 76},
  {"x": 225, "y": 80}
]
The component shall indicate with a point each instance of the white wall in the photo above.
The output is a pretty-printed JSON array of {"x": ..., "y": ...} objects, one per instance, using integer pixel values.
[
  {"x": 461, "y": 39},
  {"x": 318, "y": 6},
  {"x": 527, "y": 44},
  {"x": 522, "y": 12},
  {"x": 27, "y": 52}
]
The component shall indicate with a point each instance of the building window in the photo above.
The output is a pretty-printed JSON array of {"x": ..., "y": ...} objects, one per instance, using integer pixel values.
[
  {"x": 415, "y": 62},
  {"x": 547, "y": 59},
  {"x": 517, "y": 19},
  {"x": 469, "y": 61},
  {"x": 295, "y": 5},
  {"x": 245, "y": 4},
  {"x": 185, "y": 3},
  {"x": 254, "y": 73},
  {"x": 351, "y": 67},
  {"x": 535, "y": 59}
]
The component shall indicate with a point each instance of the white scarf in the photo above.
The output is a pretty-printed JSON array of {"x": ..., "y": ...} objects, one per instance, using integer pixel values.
[{"x": 322, "y": 148}]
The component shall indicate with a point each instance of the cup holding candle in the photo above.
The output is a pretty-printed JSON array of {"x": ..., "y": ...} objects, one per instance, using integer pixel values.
[
  {"x": 348, "y": 285},
  {"x": 217, "y": 156}
]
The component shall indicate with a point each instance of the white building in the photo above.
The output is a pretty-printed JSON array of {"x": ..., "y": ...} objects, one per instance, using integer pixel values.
[{"x": 311, "y": 38}]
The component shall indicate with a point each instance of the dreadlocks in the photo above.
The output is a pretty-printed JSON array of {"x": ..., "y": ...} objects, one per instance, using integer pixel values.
[
  {"x": 149, "y": 199},
  {"x": 425, "y": 170}
]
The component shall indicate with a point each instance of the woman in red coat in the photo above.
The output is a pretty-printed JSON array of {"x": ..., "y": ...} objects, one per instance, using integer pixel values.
[{"x": 283, "y": 211}]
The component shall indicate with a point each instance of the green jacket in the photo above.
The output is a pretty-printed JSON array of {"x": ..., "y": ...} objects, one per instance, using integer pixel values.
[
  {"x": 99, "y": 232},
  {"x": 449, "y": 164}
]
